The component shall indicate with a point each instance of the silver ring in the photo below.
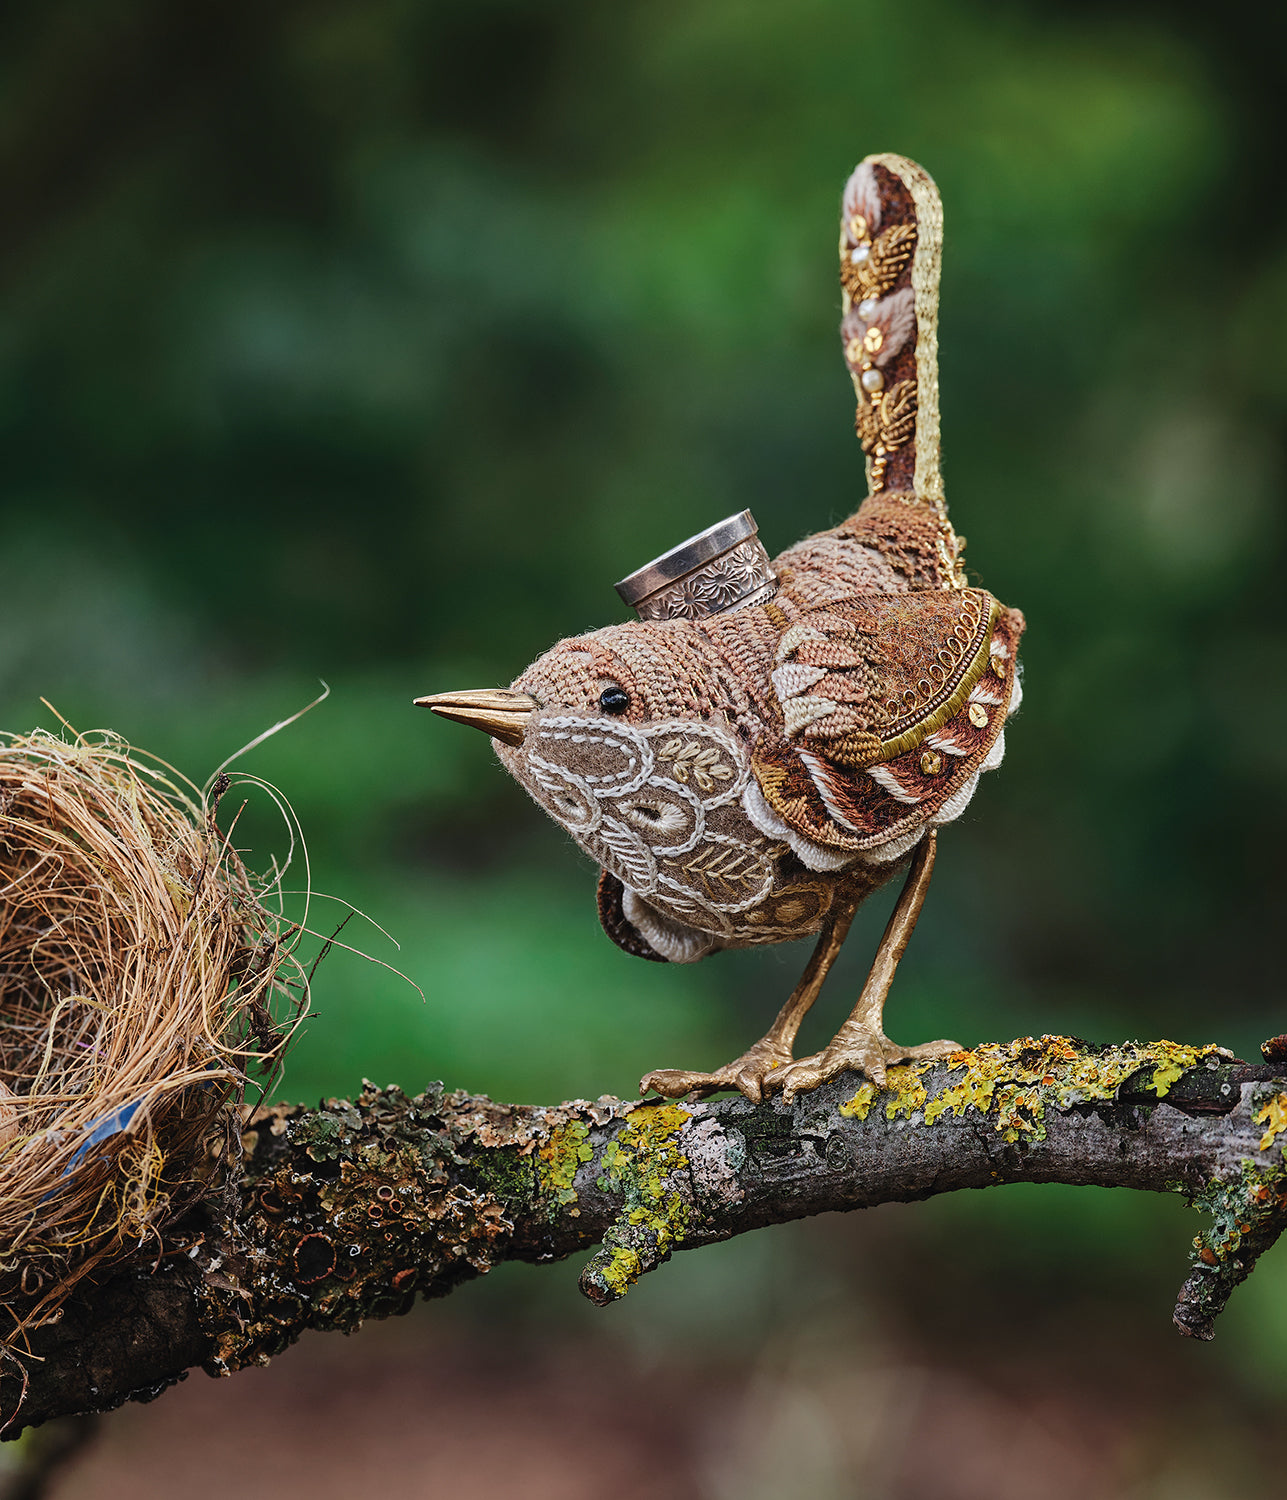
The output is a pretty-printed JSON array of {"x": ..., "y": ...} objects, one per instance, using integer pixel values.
[{"x": 724, "y": 567}]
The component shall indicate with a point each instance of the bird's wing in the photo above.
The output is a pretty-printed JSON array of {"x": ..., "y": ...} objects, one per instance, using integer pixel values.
[{"x": 890, "y": 706}]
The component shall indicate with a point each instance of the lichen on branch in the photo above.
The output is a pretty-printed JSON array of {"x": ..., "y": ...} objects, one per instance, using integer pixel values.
[{"x": 349, "y": 1211}]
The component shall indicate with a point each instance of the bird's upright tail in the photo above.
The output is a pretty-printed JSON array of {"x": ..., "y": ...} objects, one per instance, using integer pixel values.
[{"x": 891, "y": 246}]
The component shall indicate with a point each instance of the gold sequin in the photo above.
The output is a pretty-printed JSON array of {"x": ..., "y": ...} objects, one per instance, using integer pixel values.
[
  {"x": 998, "y": 665},
  {"x": 872, "y": 340},
  {"x": 978, "y": 716},
  {"x": 931, "y": 762},
  {"x": 858, "y": 227}
]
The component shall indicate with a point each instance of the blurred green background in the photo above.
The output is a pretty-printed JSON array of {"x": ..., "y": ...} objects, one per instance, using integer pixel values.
[{"x": 371, "y": 340}]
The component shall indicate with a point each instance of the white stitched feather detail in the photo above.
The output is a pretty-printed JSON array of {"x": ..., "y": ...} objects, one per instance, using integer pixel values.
[
  {"x": 820, "y": 774},
  {"x": 797, "y": 712},
  {"x": 883, "y": 776},
  {"x": 793, "y": 636},
  {"x": 792, "y": 679},
  {"x": 941, "y": 740}
]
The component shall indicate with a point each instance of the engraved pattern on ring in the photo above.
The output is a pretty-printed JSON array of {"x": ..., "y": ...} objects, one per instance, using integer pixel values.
[{"x": 728, "y": 580}]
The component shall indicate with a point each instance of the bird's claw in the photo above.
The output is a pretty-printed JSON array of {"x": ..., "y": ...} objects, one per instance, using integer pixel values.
[
  {"x": 751, "y": 1074},
  {"x": 869, "y": 1052}
]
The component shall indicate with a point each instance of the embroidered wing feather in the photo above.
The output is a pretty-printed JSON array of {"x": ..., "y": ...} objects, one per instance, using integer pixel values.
[{"x": 891, "y": 705}]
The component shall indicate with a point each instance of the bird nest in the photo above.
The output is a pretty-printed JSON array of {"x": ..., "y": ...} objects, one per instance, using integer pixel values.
[{"x": 139, "y": 969}]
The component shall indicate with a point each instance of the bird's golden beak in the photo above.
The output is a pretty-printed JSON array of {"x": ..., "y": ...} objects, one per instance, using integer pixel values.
[{"x": 496, "y": 711}]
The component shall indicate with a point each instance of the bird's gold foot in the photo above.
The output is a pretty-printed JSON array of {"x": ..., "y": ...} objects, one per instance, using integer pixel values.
[
  {"x": 870, "y": 1052},
  {"x": 750, "y": 1074}
]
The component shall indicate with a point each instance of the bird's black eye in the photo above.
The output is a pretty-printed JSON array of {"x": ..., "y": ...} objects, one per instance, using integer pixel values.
[{"x": 614, "y": 700}]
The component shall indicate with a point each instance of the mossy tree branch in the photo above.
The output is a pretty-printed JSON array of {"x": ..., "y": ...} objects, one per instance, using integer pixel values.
[{"x": 348, "y": 1211}]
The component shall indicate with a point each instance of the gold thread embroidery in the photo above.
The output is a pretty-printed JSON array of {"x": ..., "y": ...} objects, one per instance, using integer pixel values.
[
  {"x": 879, "y": 263},
  {"x": 885, "y": 423}
]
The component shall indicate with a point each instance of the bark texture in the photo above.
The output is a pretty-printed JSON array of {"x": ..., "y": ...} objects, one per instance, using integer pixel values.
[{"x": 352, "y": 1210}]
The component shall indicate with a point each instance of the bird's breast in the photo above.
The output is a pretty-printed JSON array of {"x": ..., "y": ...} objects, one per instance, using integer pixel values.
[{"x": 660, "y": 806}]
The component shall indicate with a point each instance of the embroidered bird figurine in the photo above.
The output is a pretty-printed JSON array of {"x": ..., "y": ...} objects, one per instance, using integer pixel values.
[{"x": 769, "y": 742}]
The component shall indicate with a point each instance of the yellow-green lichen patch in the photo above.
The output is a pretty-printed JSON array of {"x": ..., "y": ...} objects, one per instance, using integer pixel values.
[
  {"x": 640, "y": 1161},
  {"x": 1273, "y": 1116},
  {"x": 621, "y": 1270},
  {"x": 906, "y": 1091},
  {"x": 1014, "y": 1083},
  {"x": 859, "y": 1107},
  {"x": 640, "y": 1164},
  {"x": 975, "y": 1090},
  {"x": 1174, "y": 1061},
  {"x": 558, "y": 1159}
]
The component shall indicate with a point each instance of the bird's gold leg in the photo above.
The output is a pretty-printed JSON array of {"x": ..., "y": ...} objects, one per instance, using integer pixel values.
[
  {"x": 773, "y": 1051},
  {"x": 861, "y": 1042}
]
